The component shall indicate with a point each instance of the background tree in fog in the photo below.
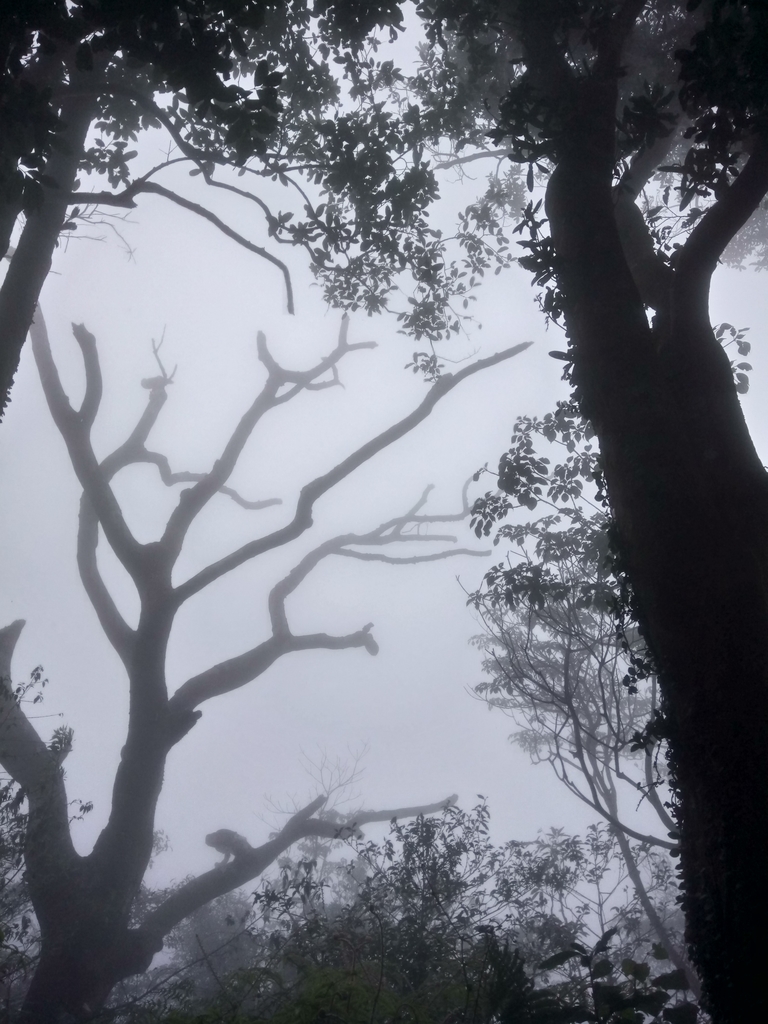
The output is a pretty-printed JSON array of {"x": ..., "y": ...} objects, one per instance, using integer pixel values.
[
  {"x": 560, "y": 664},
  {"x": 84, "y": 904}
]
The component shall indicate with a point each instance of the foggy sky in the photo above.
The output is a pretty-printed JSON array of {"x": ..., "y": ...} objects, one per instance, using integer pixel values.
[{"x": 426, "y": 736}]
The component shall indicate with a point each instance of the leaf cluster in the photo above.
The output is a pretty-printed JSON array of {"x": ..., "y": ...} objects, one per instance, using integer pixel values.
[{"x": 434, "y": 923}]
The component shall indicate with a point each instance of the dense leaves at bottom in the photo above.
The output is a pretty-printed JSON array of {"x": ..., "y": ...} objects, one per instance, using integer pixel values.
[{"x": 434, "y": 924}]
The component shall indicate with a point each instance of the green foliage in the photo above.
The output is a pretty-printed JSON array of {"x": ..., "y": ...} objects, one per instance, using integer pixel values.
[
  {"x": 567, "y": 556},
  {"x": 300, "y": 93},
  {"x": 18, "y": 929},
  {"x": 435, "y": 923}
]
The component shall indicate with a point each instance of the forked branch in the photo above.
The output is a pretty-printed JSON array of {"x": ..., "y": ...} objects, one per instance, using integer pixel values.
[{"x": 402, "y": 530}]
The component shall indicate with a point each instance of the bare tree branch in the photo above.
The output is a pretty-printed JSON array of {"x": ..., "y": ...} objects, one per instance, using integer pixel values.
[
  {"x": 169, "y": 478},
  {"x": 201, "y": 211},
  {"x": 193, "y": 500},
  {"x": 446, "y": 162},
  {"x": 244, "y": 668},
  {"x": 116, "y": 629},
  {"x": 29, "y": 761},
  {"x": 244, "y": 868},
  {"x": 302, "y": 518},
  {"x": 677, "y": 956},
  {"x": 75, "y": 429}
]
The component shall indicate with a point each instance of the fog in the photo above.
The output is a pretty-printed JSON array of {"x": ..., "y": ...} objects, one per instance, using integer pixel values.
[{"x": 167, "y": 274}]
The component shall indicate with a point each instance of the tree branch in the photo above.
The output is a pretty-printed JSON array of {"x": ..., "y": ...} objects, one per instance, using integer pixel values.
[
  {"x": 652, "y": 276},
  {"x": 169, "y": 478},
  {"x": 614, "y": 34},
  {"x": 446, "y": 162},
  {"x": 48, "y": 845},
  {"x": 187, "y": 204},
  {"x": 244, "y": 668},
  {"x": 192, "y": 501},
  {"x": 116, "y": 629},
  {"x": 244, "y": 868},
  {"x": 311, "y": 492},
  {"x": 677, "y": 957},
  {"x": 699, "y": 255},
  {"x": 75, "y": 428}
]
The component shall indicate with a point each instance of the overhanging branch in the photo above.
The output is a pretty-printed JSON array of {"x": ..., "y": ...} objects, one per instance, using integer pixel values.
[
  {"x": 244, "y": 868},
  {"x": 201, "y": 211}
]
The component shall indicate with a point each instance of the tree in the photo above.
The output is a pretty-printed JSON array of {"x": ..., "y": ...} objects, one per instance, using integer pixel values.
[
  {"x": 84, "y": 904},
  {"x": 561, "y": 666},
  {"x": 19, "y": 942},
  {"x": 599, "y": 98}
]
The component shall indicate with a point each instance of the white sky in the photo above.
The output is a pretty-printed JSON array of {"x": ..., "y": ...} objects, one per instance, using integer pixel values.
[{"x": 426, "y": 736}]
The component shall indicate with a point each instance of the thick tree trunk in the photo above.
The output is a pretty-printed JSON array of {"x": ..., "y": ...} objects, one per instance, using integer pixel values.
[
  {"x": 32, "y": 260},
  {"x": 690, "y": 500},
  {"x": 77, "y": 973}
]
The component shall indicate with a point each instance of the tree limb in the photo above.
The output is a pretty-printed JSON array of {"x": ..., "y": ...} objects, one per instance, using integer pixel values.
[
  {"x": 699, "y": 255},
  {"x": 75, "y": 431},
  {"x": 311, "y": 492},
  {"x": 169, "y": 478},
  {"x": 116, "y": 629},
  {"x": 244, "y": 668},
  {"x": 194, "y": 499},
  {"x": 678, "y": 958},
  {"x": 614, "y": 34},
  {"x": 244, "y": 868},
  {"x": 446, "y": 162},
  {"x": 33, "y": 766},
  {"x": 201, "y": 211}
]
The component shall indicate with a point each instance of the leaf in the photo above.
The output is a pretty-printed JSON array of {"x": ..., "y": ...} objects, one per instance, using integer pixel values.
[
  {"x": 673, "y": 981},
  {"x": 558, "y": 959},
  {"x": 605, "y": 938},
  {"x": 686, "y": 1013},
  {"x": 633, "y": 969},
  {"x": 602, "y": 969}
]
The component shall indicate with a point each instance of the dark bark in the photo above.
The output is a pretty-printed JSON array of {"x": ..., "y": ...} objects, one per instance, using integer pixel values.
[
  {"x": 690, "y": 502},
  {"x": 31, "y": 261}
]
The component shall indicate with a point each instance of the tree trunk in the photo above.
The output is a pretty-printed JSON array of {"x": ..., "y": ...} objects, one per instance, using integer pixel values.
[
  {"x": 690, "y": 501},
  {"x": 77, "y": 972},
  {"x": 31, "y": 261}
]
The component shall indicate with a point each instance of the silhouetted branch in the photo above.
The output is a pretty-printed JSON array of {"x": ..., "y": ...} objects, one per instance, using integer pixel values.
[
  {"x": 75, "y": 429},
  {"x": 195, "y": 498},
  {"x": 244, "y": 868},
  {"x": 311, "y": 492},
  {"x": 446, "y": 162},
  {"x": 116, "y": 629},
  {"x": 169, "y": 478},
  {"x": 201, "y": 211},
  {"x": 236, "y": 672},
  {"x": 697, "y": 260},
  {"x": 26, "y": 758}
]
